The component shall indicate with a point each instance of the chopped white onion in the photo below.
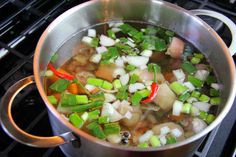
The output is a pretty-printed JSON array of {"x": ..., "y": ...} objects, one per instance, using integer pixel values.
[
  {"x": 191, "y": 100},
  {"x": 216, "y": 86},
  {"x": 177, "y": 107},
  {"x": 165, "y": 130},
  {"x": 124, "y": 79},
  {"x": 203, "y": 106},
  {"x": 89, "y": 87},
  {"x": 116, "y": 104},
  {"x": 128, "y": 115},
  {"x": 101, "y": 49},
  {"x": 84, "y": 116},
  {"x": 136, "y": 86},
  {"x": 137, "y": 60},
  {"x": 176, "y": 132},
  {"x": 202, "y": 74},
  {"x": 118, "y": 24},
  {"x": 95, "y": 58},
  {"x": 109, "y": 97},
  {"x": 115, "y": 30},
  {"x": 114, "y": 138},
  {"x": 194, "y": 111},
  {"x": 109, "y": 110},
  {"x": 91, "y": 32},
  {"x": 179, "y": 75},
  {"x": 162, "y": 140},
  {"x": 143, "y": 67},
  {"x": 190, "y": 86},
  {"x": 117, "y": 40},
  {"x": 198, "y": 125},
  {"x": 146, "y": 136},
  {"x": 131, "y": 44},
  {"x": 118, "y": 72},
  {"x": 146, "y": 53},
  {"x": 87, "y": 40},
  {"x": 109, "y": 91},
  {"x": 119, "y": 62},
  {"x": 106, "y": 41},
  {"x": 124, "y": 59},
  {"x": 124, "y": 107}
]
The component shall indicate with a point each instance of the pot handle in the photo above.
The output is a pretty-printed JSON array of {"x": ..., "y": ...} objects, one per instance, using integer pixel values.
[
  {"x": 18, "y": 134},
  {"x": 229, "y": 23}
]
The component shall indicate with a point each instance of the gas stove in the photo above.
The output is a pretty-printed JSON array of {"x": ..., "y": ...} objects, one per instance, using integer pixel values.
[{"x": 21, "y": 24}]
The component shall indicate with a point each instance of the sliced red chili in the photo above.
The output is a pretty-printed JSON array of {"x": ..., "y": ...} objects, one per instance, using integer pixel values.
[
  {"x": 154, "y": 89},
  {"x": 60, "y": 74}
]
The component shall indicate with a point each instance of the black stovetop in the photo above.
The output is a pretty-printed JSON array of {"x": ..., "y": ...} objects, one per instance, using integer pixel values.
[{"x": 21, "y": 24}]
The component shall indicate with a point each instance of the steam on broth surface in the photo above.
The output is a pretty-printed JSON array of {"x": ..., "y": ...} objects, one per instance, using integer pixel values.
[{"x": 134, "y": 84}]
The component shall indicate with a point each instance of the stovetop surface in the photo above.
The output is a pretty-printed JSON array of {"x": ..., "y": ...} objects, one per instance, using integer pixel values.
[{"x": 21, "y": 24}]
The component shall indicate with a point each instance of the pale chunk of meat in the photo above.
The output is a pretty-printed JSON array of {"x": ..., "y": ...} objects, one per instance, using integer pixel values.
[
  {"x": 165, "y": 97},
  {"x": 176, "y": 48},
  {"x": 157, "y": 129},
  {"x": 106, "y": 71}
]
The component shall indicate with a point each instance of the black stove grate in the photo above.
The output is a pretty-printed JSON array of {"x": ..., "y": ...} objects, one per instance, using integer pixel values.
[{"x": 21, "y": 24}]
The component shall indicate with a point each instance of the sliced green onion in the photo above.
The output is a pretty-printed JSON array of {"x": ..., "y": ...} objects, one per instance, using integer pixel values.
[
  {"x": 154, "y": 141},
  {"x": 144, "y": 93},
  {"x": 48, "y": 73},
  {"x": 133, "y": 79},
  {"x": 170, "y": 140},
  {"x": 122, "y": 93},
  {"x": 160, "y": 45},
  {"x": 195, "y": 81},
  {"x": 169, "y": 33},
  {"x": 203, "y": 115},
  {"x": 186, "y": 108},
  {"x": 95, "y": 81},
  {"x": 195, "y": 94},
  {"x": 189, "y": 67},
  {"x": 96, "y": 130},
  {"x": 97, "y": 97},
  {"x": 60, "y": 85},
  {"x": 75, "y": 119},
  {"x": 136, "y": 98},
  {"x": 52, "y": 99},
  {"x": 117, "y": 84},
  {"x": 195, "y": 60},
  {"x": 210, "y": 118},
  {"x": 82, "y": 99},
  {"x": 111, "y": 128},
  {"x": 184, "y": 97},
  {"x": 94, "y": 42},
  {"x": 194, "y": 111},
  {"x": 198, "y": 55},
  {"x": 143, "y": 145},
  {"x": 93, "y": 114},
  {"x": 215, "y": 100},
  {"x": 68, "y": 100},
  {"x": 107, "y": 85},
  {"x": 84, "y": 116},
  {"x": 214, "y": 92},
  {"x": 82, "y": 108},
  {"x": 210, "y": 79},
  {"x": 54, "y": 57},
  {"x": 103, "y": 120},
  {"x": 204, "y": 98},
  {"x": 111, "y": 34},
  {"x": 178, "y": 87},
  {"x": 130, "y": 67}
]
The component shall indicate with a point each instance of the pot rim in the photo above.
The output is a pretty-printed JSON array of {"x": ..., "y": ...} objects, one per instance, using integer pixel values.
[{"x": 85, "y": 135}]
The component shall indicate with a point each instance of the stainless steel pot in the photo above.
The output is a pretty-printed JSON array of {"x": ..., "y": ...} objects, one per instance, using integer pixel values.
[{"x": 75, "y": 142}]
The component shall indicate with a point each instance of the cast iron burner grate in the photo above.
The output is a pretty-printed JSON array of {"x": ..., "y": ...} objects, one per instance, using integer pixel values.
[{"x": 21, "y": 24}]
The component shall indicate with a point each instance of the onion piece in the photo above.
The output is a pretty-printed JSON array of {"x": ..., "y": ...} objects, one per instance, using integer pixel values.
[
  {"x": 179, "y": 75},
  {"x": 162, "y": 140},
  {"x": 190, "y": 86},
  {"x": 114, "y": 138},
  {"x": 106, "y": 41},
  {"x": 118, "y": 72},
  {"x": 216, "y": 86},
  {"x": 91, "y": 32},
  {"x": 176, "y": 48},
  {"x": 95, "y": 58},
  {"x": 146, "y": 136},
  {"x": 203, "y": 106},
  {"x": 136, "y": 86},
  {"x": 198, "y": 125},
  {"x": 176, "y": 132},
  {"x": 116, "y": 104},
  {"x": 131, "y": 44},
  {"x": 146, "y": 53},
  {"x": 115, "y": 30},
  {"x": 128, "y": 115},
  {"x": 202, "y": 74},
  {"x": 109, "y": 91},
  {"x": 90, "y": 87},
  {"x": 109, "y": 97},
  {"x": 101, "y": 49},
  {"x": 137, "y": 60},
  {"x": 119, "y": 62},
  {"x": 109, "y": 110},
  {"x": 165, "y": 130},
  {"x": 177, "y": 107},
  {"x": 124, "y": 79},
  {"x": 87, "y": 40}
]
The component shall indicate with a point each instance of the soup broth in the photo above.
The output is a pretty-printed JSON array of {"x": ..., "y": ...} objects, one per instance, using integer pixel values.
[{"x": 134, "y": 84}]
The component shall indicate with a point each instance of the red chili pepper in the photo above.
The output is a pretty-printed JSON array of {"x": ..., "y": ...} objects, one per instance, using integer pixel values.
[
  {"x": 60, "y": 74},
  {"x": 154, "y": 89}
]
